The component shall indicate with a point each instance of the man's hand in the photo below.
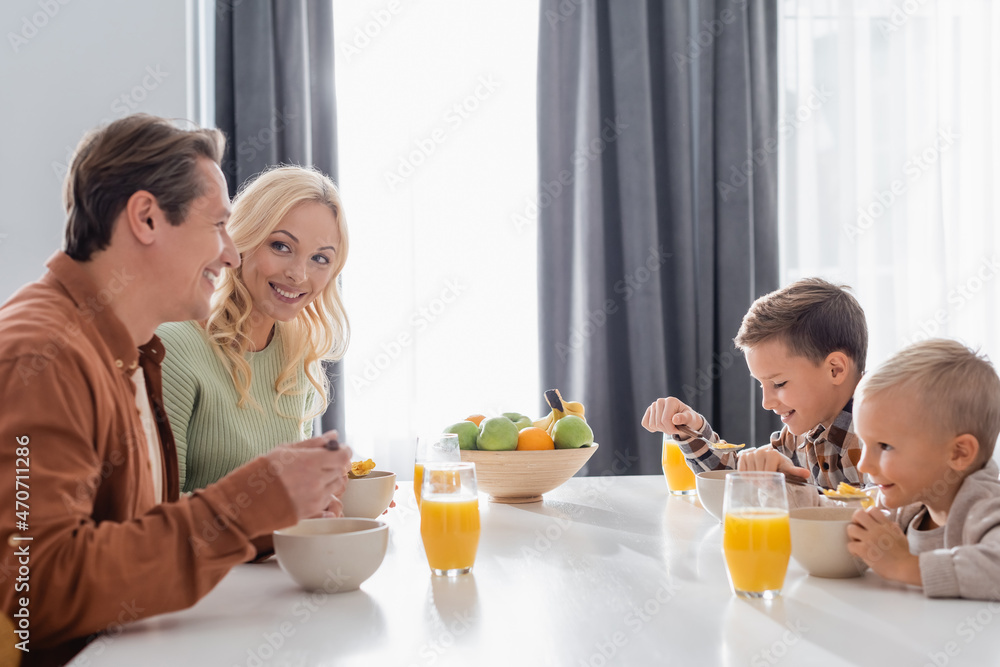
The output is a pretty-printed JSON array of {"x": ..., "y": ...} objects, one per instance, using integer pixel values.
[
  {"x": 881, "y": 543},
  {"x": 313, "y": 475},
  {"x": 768, "y": 459},
  {"x": 664, "y": 413}
]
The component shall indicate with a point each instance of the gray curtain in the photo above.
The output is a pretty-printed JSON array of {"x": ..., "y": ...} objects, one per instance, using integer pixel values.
[
  {"x": 275, "y": 100},
  {"x": 657, "y": 211}
]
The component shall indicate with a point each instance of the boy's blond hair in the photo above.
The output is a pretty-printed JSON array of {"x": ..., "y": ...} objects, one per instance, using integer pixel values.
[
  {"x": 813, "y": 317},
  {"x": 952, "y": 385}
]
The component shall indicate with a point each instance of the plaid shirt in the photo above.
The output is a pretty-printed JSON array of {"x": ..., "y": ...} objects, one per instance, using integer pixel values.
[{"x": 831, "y": 455}]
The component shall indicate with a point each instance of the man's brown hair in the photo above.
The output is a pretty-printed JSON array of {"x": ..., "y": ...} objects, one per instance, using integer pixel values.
[
  {"x": 813, "y": 317},
  {"x": 138, "y": 152}
]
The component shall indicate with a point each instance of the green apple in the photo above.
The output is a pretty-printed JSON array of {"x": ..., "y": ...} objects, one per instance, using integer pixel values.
[
  {"x": 572, "y": 432},
  {"x": 520, "y": 421},
  {"x": 497, "y": 434},
  {"x": 467, "y": 433}
]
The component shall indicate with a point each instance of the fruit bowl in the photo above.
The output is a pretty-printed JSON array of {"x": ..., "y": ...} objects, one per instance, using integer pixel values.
[{"x": 523, "y": 476}]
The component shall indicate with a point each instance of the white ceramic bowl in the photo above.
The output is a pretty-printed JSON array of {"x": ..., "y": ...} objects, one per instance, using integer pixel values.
[
  {"x": 370, "y": 495},
  {"x": 819, "y": 542},
  {"x": 332, "y": 555},
  {"x": 711, "y": 487}
]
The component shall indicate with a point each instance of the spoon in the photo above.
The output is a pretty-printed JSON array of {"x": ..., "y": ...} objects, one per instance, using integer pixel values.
[
  {"x": 722, "y": 446},
  {"x": 848, "y": 493},
  {"x": 789, "y": 477},
  {"x": 795, "y": 480}
]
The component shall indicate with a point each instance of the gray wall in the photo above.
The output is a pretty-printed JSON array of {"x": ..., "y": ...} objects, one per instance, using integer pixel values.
[{"x": 67, "y": 66}]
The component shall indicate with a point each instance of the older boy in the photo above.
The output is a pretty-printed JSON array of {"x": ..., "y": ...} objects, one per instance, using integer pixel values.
[
  {"x": 806, "y": 344},
  {"x": 929, "y": 418},
  {"x": 91, "y": 522}
]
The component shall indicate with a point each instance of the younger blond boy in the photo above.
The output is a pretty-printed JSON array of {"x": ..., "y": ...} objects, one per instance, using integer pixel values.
[
  {"x": 806, "y": 344},
  {"x": 929, "y": 419}
]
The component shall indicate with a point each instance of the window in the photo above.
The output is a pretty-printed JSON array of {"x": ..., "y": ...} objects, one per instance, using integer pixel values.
[
  {"x": 888, "y": 173},
  {"x": 437, "y": 157}
]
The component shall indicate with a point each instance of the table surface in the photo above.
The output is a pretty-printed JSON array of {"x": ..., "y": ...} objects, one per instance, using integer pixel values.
[{"x": 603, "y": 571}]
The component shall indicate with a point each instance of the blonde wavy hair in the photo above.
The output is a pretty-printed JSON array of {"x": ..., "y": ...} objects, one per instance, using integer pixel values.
[{"x": 321, "y": 331}]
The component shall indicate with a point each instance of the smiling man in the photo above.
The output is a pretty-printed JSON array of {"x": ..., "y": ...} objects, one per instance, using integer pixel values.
[{"x": 93, "y": 532}]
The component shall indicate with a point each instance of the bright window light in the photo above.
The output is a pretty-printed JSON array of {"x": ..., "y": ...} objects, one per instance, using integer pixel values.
[
  {"x": 889, "y": 171},
  {"x": 437, "y": 157}
]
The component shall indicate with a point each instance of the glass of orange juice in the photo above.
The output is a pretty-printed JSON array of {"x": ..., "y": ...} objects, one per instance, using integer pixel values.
[
  {"x": 440, "y": 448},
  {"x": 756, "y": 539},
  {"x": 449, "y": 517},
  {"x": 680, "y": 479}
]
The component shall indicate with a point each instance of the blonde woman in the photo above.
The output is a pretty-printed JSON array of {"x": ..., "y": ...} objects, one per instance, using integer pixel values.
[{"x": 249, "y": 377}]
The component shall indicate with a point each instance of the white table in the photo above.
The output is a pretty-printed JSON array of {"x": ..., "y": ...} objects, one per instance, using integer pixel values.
[{"x": 604, "y": 571}]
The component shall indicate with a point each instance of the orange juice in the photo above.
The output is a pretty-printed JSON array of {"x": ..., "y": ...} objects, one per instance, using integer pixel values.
[
  {"x": 757, "y": 544},
  {"x": 418, "y": 480},
  {"x": 449, "y": 480},
  {"x": 450, "y": 530},
  {"x": 680, "y": 479}
]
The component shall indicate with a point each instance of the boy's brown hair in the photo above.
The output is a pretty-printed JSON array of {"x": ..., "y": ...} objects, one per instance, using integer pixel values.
[
  {"x": 946, "y": 379},
  {"x": 813, "y": 317},
  {"x": 138, "y": 152}
]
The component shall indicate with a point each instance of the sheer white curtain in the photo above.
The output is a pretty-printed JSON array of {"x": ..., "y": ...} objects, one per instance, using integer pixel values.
[
  {"x": 437, "y": 158},
  {"x": 889, "y": 176}
]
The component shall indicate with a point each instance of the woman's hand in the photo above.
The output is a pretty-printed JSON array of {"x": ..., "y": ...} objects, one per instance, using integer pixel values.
[{"x": 392, "y": 503}]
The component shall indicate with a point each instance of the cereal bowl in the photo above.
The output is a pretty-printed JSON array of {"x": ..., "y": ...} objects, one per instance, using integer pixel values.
[
  {"x": 370, "y": 495},
  {"x": 711, "y": 487},
  {"x": 819, "y": 542},
  {"x": 331, "y": 555},
  {"x": 523, "y": 476}
]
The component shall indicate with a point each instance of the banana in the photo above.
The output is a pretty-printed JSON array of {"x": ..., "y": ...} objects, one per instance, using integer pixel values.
[
  {"x": 559, "y": 409},
  {"x": 574, "y": 408},
  {"x": 546, "y": 423},
  {"x": 554, "y": 399}
]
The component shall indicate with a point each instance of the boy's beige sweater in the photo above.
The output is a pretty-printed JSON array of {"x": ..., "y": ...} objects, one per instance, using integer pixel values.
[{"x": 965, "y": 562}]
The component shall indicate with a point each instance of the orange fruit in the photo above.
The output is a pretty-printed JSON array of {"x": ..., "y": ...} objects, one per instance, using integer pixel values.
[
  {"x": 534, "y": 438},
  {"x": 475, "y": 419}
]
